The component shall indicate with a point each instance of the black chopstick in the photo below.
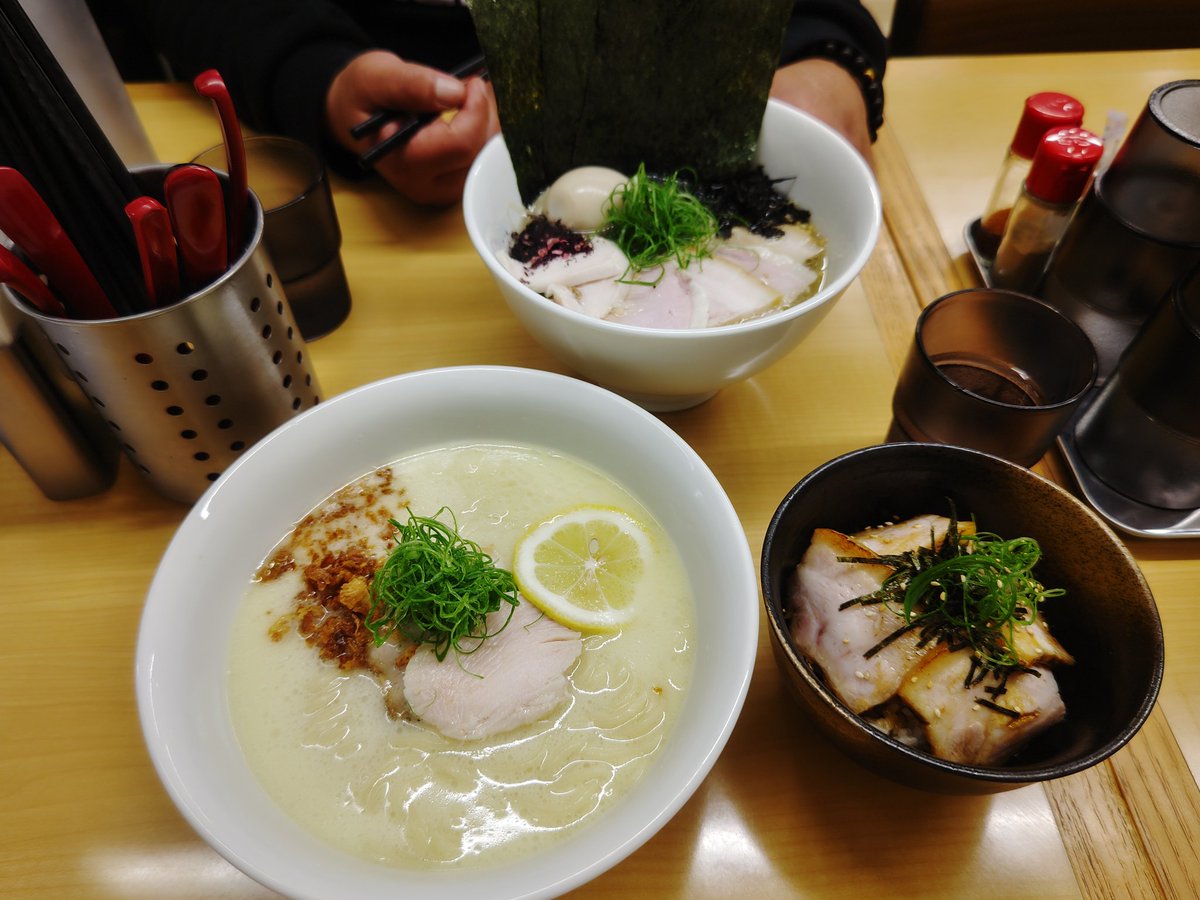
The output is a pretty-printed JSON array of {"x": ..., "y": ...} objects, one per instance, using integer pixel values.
[
  {"x": 63, "y": 152},
  {"x": 412, "y": 123}
]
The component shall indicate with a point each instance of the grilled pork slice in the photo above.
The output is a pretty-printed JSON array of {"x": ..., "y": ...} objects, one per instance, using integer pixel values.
[
  {"x": 513, "y": 678},
  {"x": 837, "y": 639},
  {"x": 917, "y": 694},
  {"x": 960, "y": 725},
  {"x": 1034, "y": 643},
  {"x": 901, "y": 537}
]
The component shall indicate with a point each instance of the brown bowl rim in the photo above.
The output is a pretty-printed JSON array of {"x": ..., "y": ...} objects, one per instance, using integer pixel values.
[{"x": 1012, "y": 776}]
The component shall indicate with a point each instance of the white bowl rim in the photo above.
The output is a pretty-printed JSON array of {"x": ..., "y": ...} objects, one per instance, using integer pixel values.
[
  {"x": 472, "y": 882},
  {"x": 828, "y": 291}
]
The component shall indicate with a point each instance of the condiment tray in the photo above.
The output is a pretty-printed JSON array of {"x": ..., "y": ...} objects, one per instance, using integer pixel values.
[
  {"x": 982, "y": 264},
  {"x": 1120, "y": 511},
  {"x": 1123, "y": 512}
]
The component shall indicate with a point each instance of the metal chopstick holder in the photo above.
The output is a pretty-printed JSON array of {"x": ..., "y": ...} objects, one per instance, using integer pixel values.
[{"x": 186, "y": 388}]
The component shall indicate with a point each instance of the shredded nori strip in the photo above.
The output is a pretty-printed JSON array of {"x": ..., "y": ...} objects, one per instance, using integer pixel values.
[
  {"x": 938, "y": 590},
  {"x": 750, "y": 199},
  {"x": 996, "y": 707}
]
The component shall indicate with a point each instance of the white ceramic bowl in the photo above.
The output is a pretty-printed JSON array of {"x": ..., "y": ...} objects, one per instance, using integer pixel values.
[
  {"x": 665, "y": 369},
  {"x": 185, "y": 632}
]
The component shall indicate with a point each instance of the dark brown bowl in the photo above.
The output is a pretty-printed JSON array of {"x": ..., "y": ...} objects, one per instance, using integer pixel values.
[{"x": 1107, "y": 619}]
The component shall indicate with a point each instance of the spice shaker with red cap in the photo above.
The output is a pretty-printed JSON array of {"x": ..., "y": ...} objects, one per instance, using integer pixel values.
[
  {"x": 1057, "y": 178},
  {"x": 1042, "y": 111}
]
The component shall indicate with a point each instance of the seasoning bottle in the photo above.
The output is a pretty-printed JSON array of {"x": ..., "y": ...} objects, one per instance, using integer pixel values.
[
  {"x": 1043, "y": 111},
  {"x": 1060, "y": 171}
]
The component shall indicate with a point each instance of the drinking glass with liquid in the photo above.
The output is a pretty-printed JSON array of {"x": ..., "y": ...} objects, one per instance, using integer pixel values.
[{"x": 992, "y": 370}]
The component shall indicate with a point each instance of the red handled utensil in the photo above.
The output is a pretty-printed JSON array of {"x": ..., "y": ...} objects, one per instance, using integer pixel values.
[
  {"x": 20, "y": 278},
  {"x": 156, "y": 249},
  {"x": 197, "y": 209},
  {"x": 30, "y": 224},
  {"x": 210, "y": 84}
]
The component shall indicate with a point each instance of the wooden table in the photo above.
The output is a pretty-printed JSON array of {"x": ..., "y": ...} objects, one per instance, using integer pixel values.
[{"x": 783, "y": 814}]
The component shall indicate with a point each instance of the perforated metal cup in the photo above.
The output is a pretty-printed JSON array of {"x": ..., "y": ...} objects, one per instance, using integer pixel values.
[{"x": 187, "y": 388}]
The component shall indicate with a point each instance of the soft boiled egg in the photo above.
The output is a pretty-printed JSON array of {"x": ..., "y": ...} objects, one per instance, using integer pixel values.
[{"x": 580, "y": 197}]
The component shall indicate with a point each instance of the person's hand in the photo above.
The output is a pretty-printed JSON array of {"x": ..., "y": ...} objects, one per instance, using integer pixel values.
[
  {"x": 432, "y": 166},
  {"x": 830, "y": 93}
]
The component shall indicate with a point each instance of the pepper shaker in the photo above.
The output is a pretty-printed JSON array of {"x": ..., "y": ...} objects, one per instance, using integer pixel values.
[
  {"x": 1060, "y": 171},
  {"x": 1042, "y": 111}
]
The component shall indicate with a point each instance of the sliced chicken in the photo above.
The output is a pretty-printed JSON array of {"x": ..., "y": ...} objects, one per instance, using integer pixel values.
[
  {"x": 604, "y": 260},
  {"x": 962, "y": 729},
  {"x": 668, "y": 304},
  {"x": 730, "y": 293},
  {"x": 779, "y": 273},
  {"x": 596, "y": 298},
  {"x": 516, "y": 677},
  {"x": 837, "y": 639},
  {"x": 797, "y": 242},
  {"x": 1036, "y": 646},
  {"x": 918, "y": 695}
]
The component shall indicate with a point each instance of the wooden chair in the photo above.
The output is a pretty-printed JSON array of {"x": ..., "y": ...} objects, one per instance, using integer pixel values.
[{"x": 965, "y": 27}]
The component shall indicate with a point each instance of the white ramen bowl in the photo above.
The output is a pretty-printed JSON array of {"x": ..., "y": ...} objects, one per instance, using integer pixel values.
[
  {"x": 184, "y": 642},
  {"x": 667, "y": 369}
]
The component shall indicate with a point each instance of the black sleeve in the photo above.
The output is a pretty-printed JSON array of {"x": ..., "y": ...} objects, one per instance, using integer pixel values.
[
  {"x": 277, "y": 57},
  {"x": 845, "y": 21},
  {"x": 844, "y": 32}
]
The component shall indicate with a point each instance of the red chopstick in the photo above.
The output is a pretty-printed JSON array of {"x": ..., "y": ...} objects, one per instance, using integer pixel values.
[
  {"x": 210, "y": 84},
  {"x": 156, "y": 249},
  {"x": 30, "y": 224},
  {"x": 20, "y": 278},
  {"x": 197, "y": 207}
]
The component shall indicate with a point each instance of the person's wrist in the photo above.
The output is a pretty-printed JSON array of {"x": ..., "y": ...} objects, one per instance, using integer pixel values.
[{"x": 854, "y": 62}]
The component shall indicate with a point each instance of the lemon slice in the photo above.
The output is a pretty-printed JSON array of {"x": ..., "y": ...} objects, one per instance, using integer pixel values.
[{"x": 582, "y": 567}]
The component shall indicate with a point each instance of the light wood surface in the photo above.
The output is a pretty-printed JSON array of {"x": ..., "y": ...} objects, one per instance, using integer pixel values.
[{"x": 783, "y": 814}]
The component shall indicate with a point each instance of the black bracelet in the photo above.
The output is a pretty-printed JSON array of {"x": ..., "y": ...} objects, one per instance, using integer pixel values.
[{"x": 853, "y": 61}]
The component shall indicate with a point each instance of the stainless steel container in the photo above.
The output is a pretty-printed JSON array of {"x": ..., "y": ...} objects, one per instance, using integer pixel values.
[
  {"x": 46, "y": 421},
  {"x": 185, "y": 389}
]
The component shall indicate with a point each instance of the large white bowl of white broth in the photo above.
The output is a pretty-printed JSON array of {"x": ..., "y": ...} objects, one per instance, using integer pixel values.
[
  {"x": 678, "y": 367},
  {"x": 319, "y": 779}
]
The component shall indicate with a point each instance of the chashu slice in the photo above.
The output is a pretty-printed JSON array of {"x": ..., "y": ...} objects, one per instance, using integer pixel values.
[
  {"x": 909, "y": 534},
  {"x": 836, "y": 639},
  {"x": 960, "y": 728},
  {"x": 515, "y": 677}
]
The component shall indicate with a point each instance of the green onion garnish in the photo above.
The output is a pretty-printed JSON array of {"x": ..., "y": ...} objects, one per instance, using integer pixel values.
[
  {"x": 973, "y": 591},
  {"x": 437, "y": 588},
  {"x": 656, "y": 220}
]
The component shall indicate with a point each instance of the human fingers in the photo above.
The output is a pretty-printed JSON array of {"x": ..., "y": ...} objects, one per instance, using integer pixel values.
[
  {"x": 471, "y": 127},
  {"x": 445, "y": 146},
  {"x": 380, "y": 81}
]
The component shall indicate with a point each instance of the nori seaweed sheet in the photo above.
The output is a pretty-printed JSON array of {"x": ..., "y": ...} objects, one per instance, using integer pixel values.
[{"x": 674, "y": 84}]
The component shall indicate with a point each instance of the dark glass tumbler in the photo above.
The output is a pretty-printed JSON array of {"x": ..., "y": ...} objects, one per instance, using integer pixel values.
[
  {"x": 300, "y": 230},
  {"x": 995, "y": 371},
  {"x": 1141, "y": 435}
]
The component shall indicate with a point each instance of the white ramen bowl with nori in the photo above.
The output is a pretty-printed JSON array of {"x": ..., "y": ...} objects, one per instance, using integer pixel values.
[{"x": 665, "y": 369}]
